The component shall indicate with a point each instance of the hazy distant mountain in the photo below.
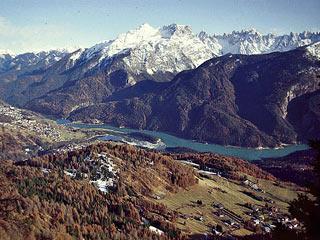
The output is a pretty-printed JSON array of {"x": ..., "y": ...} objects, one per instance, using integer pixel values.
[
  {"x": 11, "y": 62},
  {"x": 232, "y": 100},
  {"x": 18, "y": 73}
]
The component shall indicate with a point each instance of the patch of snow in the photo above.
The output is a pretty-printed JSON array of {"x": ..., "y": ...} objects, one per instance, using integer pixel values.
[
  {"x": 314, "y": 50},
  {"x": 207, "y": 172},
  {"x": 75, "y": 55},
  {"x": 104, "y": 162},
  {"x": 156, "y": 230},
  {"x": 45, "y": 170},
  {"x": 69, "y": 174},
  {"x": 73, "y": 58},
  {"x": 103, "y": 185},
  {"x": 149, "y": 71},
  {"x": 190, "y": 163}
]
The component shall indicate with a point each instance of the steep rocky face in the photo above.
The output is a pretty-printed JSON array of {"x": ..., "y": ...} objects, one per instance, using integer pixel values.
[
  {"x": 304, "y": 115},
  {"x": 232, "y": 100}
]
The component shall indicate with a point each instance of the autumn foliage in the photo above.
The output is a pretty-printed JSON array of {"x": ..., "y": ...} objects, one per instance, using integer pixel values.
[{"x": 38, "y": 204}]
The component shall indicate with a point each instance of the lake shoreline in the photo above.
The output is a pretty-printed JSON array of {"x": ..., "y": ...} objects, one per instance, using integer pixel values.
[
  {"x": 281, "y": 146},
  {"x": 173, "y": 141}
]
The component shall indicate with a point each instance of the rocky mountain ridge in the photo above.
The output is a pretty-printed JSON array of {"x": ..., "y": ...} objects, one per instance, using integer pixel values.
[
  {"x": 174, "y": 48},
  {"x": 145, "y": 53},
  {"x": 174, "y": 41},
  {"x": 236, "y": 100},
  {"x": 25, "y": 61},
  {"x": 145, "y": 56},
  {"x": 253, "y": 42}
]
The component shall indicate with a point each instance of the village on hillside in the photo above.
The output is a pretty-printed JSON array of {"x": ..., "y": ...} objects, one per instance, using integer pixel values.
[{"x": 15, "y": 118}]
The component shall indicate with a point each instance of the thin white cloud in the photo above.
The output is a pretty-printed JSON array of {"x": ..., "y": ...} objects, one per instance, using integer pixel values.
[{"x": 29, "y": 38}]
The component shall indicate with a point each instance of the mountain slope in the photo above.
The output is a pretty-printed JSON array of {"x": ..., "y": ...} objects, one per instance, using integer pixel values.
[
  {"x": 231, "y": 100},
  {"x": 21, "y": 72},
  {"x": 212, "y": 99},
  {"x": 145, "y": 53}
]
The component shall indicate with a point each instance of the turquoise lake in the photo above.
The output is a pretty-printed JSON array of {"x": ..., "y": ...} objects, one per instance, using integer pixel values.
[{"x": 172, "y": 141}]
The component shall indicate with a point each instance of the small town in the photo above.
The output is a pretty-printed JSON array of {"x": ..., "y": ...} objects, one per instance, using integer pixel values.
[{"x": 16, "y": 118}]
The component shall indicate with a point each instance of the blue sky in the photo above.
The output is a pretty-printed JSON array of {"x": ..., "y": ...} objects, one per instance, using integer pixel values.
[{"x": 31, "y": 25}]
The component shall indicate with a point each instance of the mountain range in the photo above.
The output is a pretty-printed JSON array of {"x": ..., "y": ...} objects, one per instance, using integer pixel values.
[{"x": 241, "y": 100}]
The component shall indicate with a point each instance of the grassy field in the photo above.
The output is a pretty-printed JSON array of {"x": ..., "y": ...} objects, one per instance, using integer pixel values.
[
  {"x": 218, "y": 190},
  {"x": 73, "y": 133}
]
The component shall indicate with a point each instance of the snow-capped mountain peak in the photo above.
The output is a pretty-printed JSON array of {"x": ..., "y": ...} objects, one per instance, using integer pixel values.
[
  {"x": 173, "y": 48},
  {"x": 143, "y": 33},
  {"x": 251, "y": 41},
  {"x": 6, "y": 52},
  {"x": 140, "y": 36},
  {"x": 42, "y": 59},
  {"x": 144, "y": 29},
  {"x": 175, "y": 30}
]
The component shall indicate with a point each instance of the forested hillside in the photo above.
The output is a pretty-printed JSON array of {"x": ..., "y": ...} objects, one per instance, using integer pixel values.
[{"x": 40, "y": 194}]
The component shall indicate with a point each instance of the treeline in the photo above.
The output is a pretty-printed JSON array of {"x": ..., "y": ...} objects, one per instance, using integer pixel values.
[{"x": 230, "y": 166}]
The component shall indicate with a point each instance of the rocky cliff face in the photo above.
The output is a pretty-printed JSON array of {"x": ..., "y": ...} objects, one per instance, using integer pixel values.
[{"x": 231, "y": 100}]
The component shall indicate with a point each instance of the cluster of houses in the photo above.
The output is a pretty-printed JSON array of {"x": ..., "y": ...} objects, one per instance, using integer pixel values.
[
  {"x": 229, "y": 218},
  {"x": 20, "y": 120},
  {"x": 262, "y": 217},
  {"x": 70, "y": 147},
  {"x": 252, "y": 185}
]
